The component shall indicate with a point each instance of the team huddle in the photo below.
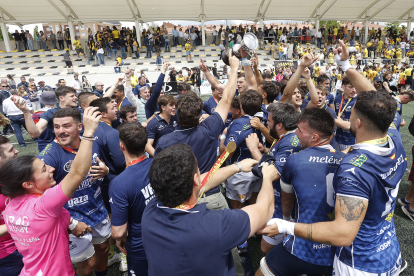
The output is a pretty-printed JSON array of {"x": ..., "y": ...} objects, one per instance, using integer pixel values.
[{"x": 317, "y": 178}]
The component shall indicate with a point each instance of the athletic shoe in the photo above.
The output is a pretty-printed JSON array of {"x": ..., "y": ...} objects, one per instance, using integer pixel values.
[
  {"x": 123, "y": 266},
  {"x": 408, "y": 212},
  {"x": 402, "y": 201},
  {"x": 404, "y": 265},
  {"x": 116, "y": 257}
]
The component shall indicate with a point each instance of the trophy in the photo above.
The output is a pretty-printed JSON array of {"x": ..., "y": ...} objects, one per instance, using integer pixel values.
[{"x": 248, "y": 44}]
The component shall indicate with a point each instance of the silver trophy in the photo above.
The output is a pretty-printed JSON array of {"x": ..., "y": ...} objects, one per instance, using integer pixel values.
[{"x": 248, "y": 44}]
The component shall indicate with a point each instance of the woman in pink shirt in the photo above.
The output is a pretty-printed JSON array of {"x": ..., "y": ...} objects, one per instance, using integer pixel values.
[{"x": 35, "y": 217}]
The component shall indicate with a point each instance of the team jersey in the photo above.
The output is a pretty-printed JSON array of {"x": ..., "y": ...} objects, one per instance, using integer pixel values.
[
  {"x": 86, "y": 204},
  {"x": 159, "y": 127},
  {"x": 118, "y": 121},
  {"x": 49, "y": 135},
  {"x": 210, "y": 106},
  {"x": 399, "y": 105},
  {"x": 237, "y": 132},
  {"x": 109, "y": 151},
  {"x": 330, "y": 110},
  {"x": 374, "y": 174},
  {"x": 263, "y": 114},
  {"x": 329, "y": 100},
  {"x": 396, "y": 121},
  {"x": 314, "y": 200},
  {"x": 6, "y": 242},
  {"x": 281, "y": 150},
  {"x": 342, "y": 136},
  {"x": 129, "y": 193}
]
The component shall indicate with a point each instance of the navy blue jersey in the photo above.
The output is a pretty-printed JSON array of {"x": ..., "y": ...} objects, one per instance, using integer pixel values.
[
  {"x": 330, "y": 110},
  {"x": 314, "y": 200},
  {"x": 109, "y": 151},
  {"x": 50, "y": 133},
  {"x": 209, "y": 108},
  {"x": 374, "y": 174},
  {"x": 129, "y": 193},
  {"x": 399, "y": 105},
  {"x": 171, "y": 237},
  {"x": 396, "y": 123},
  {"x": 281, "y": 150},
  {"x": 118, "y": 121},
  {"x": 159, "y": 127},
  {"x": 237, "y": 132},
  {"x": 343, "y": 136},
  {"x": 86, "y": 204}
]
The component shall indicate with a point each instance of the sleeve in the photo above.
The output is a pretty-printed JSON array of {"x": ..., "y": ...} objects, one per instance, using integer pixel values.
[
  {"x": 350, "y": 181},
  {"x": 235, "y": 134},
  {"x": 48, "y": 158},
  {"x": 281, "y": 155},
  {"x": 46, "y": 116},
  {"x": 206, "y": 108},
  {"x": 52, "y": 201},
  {"x": 152, "y": 129},
  {"x": 411, "y": 126},
  {"x": 151, "y": 104},
  {"x": 119, "y": 203},
  {"x": 131, "y": 98},
  {"x": 331, "y": 99},
  {"x": 235, "y": 229},
  {"x": 287, "y": 174},
  {"x": 115, "y": 152}
]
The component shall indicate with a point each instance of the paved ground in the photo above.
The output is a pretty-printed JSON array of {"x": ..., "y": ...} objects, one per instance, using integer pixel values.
[{"x": 405, "y": 227}]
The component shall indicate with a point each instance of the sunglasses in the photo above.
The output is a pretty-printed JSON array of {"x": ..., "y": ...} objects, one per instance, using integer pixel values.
[{"x": 3, "y": 86}]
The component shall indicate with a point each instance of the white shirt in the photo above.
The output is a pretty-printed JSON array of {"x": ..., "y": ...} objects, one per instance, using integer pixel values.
[
  {"x": 318, "y": 34},
  {"x": 214, "y": 32},
  {"x": 76, "y": 83},
  {"x": 181, "y": 34},
  {"x": 282, "y": 38},
  {"x": 10, "y": 109},
  {"x": 357, "y": 32},
  {"x": 402, "y": 44},
  {"x": 358, "y": 56}
]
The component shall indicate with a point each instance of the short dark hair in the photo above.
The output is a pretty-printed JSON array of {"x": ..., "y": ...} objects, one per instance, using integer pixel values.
[
  {"x": 126, "y": 109},
  {"x": 165, "y": 100},
  {"x": 271, "y": 90},
  {"x": 235, "y": 103},
  {"x": 184, "y": 86},
  {"x": 171, "y": 174},
  {"x": 134, "y": 136},
  {"x": 63, "y": 90},
  {"x": 83, "y": 96},
  {"x": 68, "y": 112},
  {"x": 346, "y": 81},
  {"x": 3, "y": 140},
  {"x": 60, "y": 80},
  {"x": 189, "y": 107},
  {"x": 319, "y": 120},
  {"x": 408, "y": 92},
  {"x": 120, "y": 88},
  {"x": 212, "y": 88},
  {"x": 101, "y": 103},
  {"x": 14, "y": 173},
  {"x": 322, "y": 78},
  {"x": 285, "y": 113},
  {"x": 251, "y": 102},
  {"x": 266, "y": 76},
  {"x": 241, "y": 75},
  {"x": 376, "y": 109}
]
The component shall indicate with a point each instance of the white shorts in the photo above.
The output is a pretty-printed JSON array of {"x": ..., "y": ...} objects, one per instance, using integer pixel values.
[
  {"x": 274, "y": 240},
  {"x": 81, "y": 249},
  {"x": 341, "y": 269},
  {"x": 241, "y": 186}
]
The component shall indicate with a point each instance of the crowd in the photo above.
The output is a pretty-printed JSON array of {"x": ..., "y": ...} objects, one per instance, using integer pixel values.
[{"x": 306, "y": 161}]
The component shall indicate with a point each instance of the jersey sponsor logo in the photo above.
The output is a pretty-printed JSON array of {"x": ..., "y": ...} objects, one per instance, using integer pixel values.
[
  {"x": 91, "y": 211},
  {"x": 238, "y": 132},
  {"x": 77, "y": 201},
  {"x": 400, "y": 161},
  {"x": 281, "y": 159},
  {"x": 233, "y": 138},
  {"x": 98, "y": 192},
  {"x": 295, "y": 141},
  {"x": 67, "y": 166},
  {"x": 213, "y": 109},
  {"x": 326, "y": 159},
  {"x": 349, "y": 181},
  {"x": 389, "y": 216},
  {"x": 148, "y": 193},
  {"x": 245, "y": 127},
  {"x": 392, "y": 156},
  {"x": 358, "y": 160},
  {"x": 175, "y": 124},
  {"x": 17, "y": 224},
  {"x": 45, "y": 150},
  {"x": 320, "y": 246},
  {"x": 161, "y": 127},
  {"x": 110, "y": 201},
  {"x": 351, "y": 170}
]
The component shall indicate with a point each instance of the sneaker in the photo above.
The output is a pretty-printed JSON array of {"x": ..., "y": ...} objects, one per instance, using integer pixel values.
[
  {"x": 123, "y": 266},
  {"x": 23, "y": 145},
  {"x": 403, "y": 202},
  {"x": 404, "y": 265},
  {"x": 245, "y": 247},
  {"x": 116, "y": 257},
  {"x": 408, "y": 212}
]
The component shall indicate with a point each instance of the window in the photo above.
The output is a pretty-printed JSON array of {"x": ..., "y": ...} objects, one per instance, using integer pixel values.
[
  {"x": 77, "y": 27},
  {"x": 83, "y": 34},
  {"x": 82, "y": 27},
  {"x": 88, "y": 26},
  {"x": 47, "y": 28},
  {"x": 77, "y": 33}
]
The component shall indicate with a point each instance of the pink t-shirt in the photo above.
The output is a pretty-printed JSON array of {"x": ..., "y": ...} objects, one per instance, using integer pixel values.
[
  {"x": 6, "y": 242},
  {"x": 38, "y": 225}
]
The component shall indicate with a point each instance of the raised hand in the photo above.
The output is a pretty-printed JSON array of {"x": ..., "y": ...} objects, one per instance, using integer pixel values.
[
  {"x": 233, "y": 61},
  {"x": 307, "y": 60},
  {"x": 20, "y": 103},
  {"x": 269, "y": 171},
  {"x": 306, "y": 73},
  {"x": 248, "y": 164},
  {"x": 202, "y": 66},
  {"x": 342, "y": 51},
  {"x": 91, "y": 118}
]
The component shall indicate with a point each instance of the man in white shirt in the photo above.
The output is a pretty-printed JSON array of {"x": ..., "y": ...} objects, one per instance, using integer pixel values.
[
  {"x": 214, "y": 35},
  {"x": 16, "y": 116},
  {"x": 193, "y": 37},
  {"x": 76, "y": 84},
  {"x": 402, "y": 46}
]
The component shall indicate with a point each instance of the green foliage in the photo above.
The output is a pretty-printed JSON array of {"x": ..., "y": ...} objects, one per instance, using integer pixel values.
[
  {"x": 328, "y": 24},
  {"x": 392, "y": 25},
  {"x": 35, "y": 30}
]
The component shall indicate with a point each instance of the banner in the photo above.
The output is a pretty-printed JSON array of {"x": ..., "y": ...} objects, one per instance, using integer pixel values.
[
  {"x": 205, "y": 87},
  {"x": 285, "y": 63},
  {"x": 169, "y": 88}
]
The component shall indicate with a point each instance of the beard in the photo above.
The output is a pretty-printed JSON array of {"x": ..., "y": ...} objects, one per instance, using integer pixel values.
[
  {"x": 273, "y": 133},
  {"x": 352, "y": 131}
]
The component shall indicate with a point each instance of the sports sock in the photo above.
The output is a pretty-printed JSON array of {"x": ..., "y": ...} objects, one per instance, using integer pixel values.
[{"x": 111, "y": 251}]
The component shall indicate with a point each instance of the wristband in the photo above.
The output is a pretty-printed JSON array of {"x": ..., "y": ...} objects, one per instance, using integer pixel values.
[
  {"x": 284, "y": 227},
  {"x": 245, "y": 63},
  {"x": 89, "y": 138},
  {"x": 243, "y": 59},
  {"x": 73, "y": 224},
  {"x": 222, "y": 137},
  {"x": 287, "y": 218},
  {"x": 343, "y": 64},
  {"x": 239, "y": 166}
]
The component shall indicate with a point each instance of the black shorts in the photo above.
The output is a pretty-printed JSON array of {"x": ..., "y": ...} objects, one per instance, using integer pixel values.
[
  {"x": 68, "y": 63},
  {"x": 282, "y": 263}
]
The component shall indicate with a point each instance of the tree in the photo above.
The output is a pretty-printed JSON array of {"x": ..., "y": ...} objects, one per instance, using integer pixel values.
[
  {"x": 392, "y": 26},
  {"x": 1, "y": 34},
  {"x": 328, "y": 24},
  {"x": 35, "y": 30}
]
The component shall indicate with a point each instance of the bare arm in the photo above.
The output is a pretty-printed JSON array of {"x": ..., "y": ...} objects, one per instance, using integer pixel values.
[
  {"x": 288, "y": 201},
  {"x": 258, "y": 76},
  {"x": 260, "y": 212},
  {"x": 119, "y": 232},
  {"x": 342, "y": 124},
  {"x": 248, "y": 73},
  {"x": 312, "y": 90},
  {"x": 35, "y": 130},
  {"x": 210, "y": 78},
  {"x": 3, "y": 230},
  {"x": 149, "y": 148},
  {"x": 82, "y": 161},
  {"x": 111, "y": 89}
]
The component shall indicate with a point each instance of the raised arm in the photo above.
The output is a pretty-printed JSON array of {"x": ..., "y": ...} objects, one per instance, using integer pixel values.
[
  {"x": 128, "y": 90},
  {"x": 111, "y": 89},
  {"x": 210, "y": 78},
  {"x": 248, "y": 72},
  {"x": 82, "y": 162},
  {"x": 151, "y": 104},
  {"x": 255, "y": 63},
  {"x": 35, "y": 130},
  {"x": 312, "y": 90},
  {"x": 223, "y": 106},
  {"x": 358, "y": 80}
]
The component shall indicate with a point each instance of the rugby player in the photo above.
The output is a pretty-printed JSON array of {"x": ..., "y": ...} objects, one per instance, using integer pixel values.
[
  {"x": 89, "y": 251},
  {"x": 365, "y": 187},
  {"x": 128, "y": 114},
  {"x": 85, "y": 98},
  {"x": 322, "y": 80}
]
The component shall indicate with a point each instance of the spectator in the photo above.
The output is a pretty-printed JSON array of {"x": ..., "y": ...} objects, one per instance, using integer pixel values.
[
  {"x": 44, "y": 40},
  {"x": 98, "y": 89},
  {"x": 68, "y": 59},
  {"x": 53, "y": 39},
  {"x": 23, "y": 83},
  {"x": 76, "y": 84},
  {"x": 24, "y": 39},
  {"x": 18, "y": 40},
  {"x": 78, "y": 47},
  {"x": 60, "y": 40},
  {"x": 86, "y": 85},
  {"x": 260, "y": 37},
  {"x": 141, "y": 83},
  {"x": 42, "y": 87},
  {"x": 100, "y": 53},
  {"x": 29, "y": 39}
]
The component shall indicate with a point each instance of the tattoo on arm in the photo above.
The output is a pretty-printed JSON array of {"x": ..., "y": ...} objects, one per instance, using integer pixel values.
[
  {"x": 309, "y": 236},
  {"x": 351, "y": 208}
]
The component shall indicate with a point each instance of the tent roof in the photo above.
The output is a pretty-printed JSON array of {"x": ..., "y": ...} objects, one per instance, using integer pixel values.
[{"x": 23, "y": 12}]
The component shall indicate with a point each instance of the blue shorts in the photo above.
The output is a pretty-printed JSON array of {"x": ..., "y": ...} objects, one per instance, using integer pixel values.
[
  {"x": 188, "y": 53},
  {"x": 11, "y": 265},
  {"x": 281, "y": 263},
  {"x": 137, "y": 266}
]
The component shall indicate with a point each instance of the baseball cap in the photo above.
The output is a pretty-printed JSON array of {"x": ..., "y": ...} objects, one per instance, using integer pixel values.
[
  {"x": 40, "y": 82},
  {"x": 377, "y": 79},
  {"x": 48, "y": 97}
]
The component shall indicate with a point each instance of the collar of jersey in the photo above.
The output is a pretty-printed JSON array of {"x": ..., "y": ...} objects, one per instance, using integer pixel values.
[
  {"x": 160, "y": 206},
  {"x": 328, "y": 146},
  {"x": 381, "y": 151}
]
